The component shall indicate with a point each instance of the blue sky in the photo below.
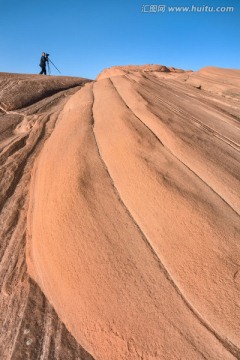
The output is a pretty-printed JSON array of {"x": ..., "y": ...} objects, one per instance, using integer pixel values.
[{"x": 84, "y": 37}]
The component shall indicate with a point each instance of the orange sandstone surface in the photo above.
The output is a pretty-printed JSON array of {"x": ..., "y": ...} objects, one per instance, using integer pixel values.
[{"x": 120, "y": 215}]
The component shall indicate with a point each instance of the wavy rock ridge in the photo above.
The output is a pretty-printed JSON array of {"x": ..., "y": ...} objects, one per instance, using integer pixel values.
[
  {"x": 29, "y": 327},
  {"x": 133, "y": 218}
]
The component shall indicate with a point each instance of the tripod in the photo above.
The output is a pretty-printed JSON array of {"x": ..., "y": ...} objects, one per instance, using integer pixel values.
[{"x": 48, "y": 66}]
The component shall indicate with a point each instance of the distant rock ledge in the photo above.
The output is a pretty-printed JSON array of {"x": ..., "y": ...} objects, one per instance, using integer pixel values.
[{"x": 149, "y": 68}]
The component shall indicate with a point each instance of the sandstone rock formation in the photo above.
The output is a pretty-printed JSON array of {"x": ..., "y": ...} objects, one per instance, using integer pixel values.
[
  {"x": 130, "y": 185},
  {"x": 149, "y": 69},
  {"x": 224, "y": 82},
  {"x": 29, "y": 327}
]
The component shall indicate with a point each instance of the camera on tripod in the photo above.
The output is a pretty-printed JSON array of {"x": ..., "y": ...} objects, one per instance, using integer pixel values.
[{"x": 48, "y": 65}]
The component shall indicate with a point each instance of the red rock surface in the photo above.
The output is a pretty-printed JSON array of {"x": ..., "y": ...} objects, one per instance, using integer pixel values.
[
  {"x": 132, "y": 221},
  {"x": 29, "y": 327},
  {"x": 150, "y": 68},
  {"x": 224, "y": 82}
]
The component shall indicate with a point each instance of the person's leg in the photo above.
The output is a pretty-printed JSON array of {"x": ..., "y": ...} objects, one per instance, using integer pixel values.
[
  {"x": 44, "y": 70},
  {"x": 41, "y": 72}
]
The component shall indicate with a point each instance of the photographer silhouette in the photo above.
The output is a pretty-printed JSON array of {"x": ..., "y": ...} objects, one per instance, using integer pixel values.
[{"x": 43, "y": 61}]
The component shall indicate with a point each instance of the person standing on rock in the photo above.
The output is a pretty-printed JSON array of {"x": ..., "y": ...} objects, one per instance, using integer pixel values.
[{"x": 42, "y": 64}]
